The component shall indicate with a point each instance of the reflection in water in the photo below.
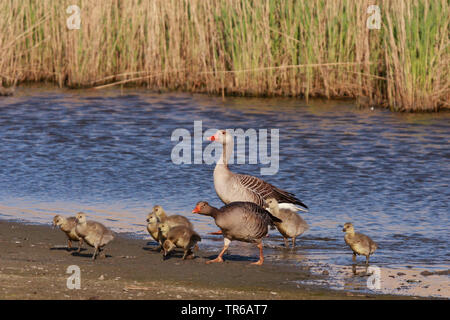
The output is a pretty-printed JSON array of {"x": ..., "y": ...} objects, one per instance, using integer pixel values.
[{"x": 108, "y": 154}]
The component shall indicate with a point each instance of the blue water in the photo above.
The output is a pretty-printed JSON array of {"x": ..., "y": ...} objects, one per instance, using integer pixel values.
[{"x": 108, "y": 153}]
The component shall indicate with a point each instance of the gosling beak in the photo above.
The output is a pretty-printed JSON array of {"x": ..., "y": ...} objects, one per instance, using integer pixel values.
[
  {"x": 76, "y": 220},
  {"x": 147, "y": 220},
  {"x": 344, "y": 230}
]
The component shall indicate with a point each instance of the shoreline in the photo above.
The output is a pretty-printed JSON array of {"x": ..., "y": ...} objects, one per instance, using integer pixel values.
[
  {"x": 34, "y": 260},
  {"x": 27, "y": 85}
]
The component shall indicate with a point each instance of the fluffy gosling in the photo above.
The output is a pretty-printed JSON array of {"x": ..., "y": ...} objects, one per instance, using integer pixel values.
[
  {"x": 358, "y": 242},
  {"x": 68, "y": 225},
  {"x": 180, "y": 237},
  {"x": 172, "y": 220},
  {"x": 291, "y": 225},
  {"x": 153, "y": 229},
  {"x": 93, "y": 233}
]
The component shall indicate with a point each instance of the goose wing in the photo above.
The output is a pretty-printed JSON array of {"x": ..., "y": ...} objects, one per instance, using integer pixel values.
[
  {"x": 258, "y": 216},
  {"x": 255, "y": 220},
  {"x": 262, "y": 190}
]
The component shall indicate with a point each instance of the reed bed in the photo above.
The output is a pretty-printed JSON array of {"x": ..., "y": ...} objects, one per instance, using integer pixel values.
[{"x": 237, "y": 47}]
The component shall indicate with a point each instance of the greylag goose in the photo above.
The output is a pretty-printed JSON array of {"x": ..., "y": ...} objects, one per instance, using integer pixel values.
[
  {"x": 180, "y": 237},
  {"x": 93, "y": 233},
  {"x": 67, "y": 225},
  {"x": 242, "y": 221},
  {"x": 292, "y": 224},
  {"x": 231, "y": 187},
  {"x": 172, "y": 220},
  {"x": 358, "y": 242}
]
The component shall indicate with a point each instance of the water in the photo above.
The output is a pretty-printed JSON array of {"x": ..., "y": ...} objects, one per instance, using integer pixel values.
[{"x": 108, "y": 153}]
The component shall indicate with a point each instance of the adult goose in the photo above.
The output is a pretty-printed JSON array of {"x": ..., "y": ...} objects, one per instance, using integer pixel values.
[
  {"x": 231, "y": 187},
  {"x": 242, "y": 221}
]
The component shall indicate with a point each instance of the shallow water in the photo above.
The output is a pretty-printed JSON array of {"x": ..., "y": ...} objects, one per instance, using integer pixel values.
[{"x": 108, "y": 153}]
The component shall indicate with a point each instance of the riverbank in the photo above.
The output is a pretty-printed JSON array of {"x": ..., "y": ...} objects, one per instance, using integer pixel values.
[{"x": 34, "y": 260}]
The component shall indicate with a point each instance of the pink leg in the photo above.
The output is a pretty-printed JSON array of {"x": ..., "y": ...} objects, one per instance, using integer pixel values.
[
  {"x": 219, "y": 257},
  {"x": 261, "y": 256}
]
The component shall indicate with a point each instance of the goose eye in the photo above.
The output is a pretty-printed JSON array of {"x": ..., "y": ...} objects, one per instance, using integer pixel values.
[{"x": 224, "y": 132}]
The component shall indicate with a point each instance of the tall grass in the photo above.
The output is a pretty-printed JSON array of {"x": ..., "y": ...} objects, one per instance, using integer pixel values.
[{"x": 239, "y": 47}]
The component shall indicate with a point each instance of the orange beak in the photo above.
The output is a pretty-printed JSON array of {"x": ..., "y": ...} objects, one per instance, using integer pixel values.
[
  {"x": 212, "y": 138},
  {"x": 196, "y": 210}
]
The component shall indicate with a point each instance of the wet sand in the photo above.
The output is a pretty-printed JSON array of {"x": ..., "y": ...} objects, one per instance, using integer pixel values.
[
  {"x": 34, "y": 260},
  {"x": 412, "y": 281}
]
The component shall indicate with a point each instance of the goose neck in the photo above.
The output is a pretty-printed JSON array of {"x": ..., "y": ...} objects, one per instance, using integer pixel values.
[
  {"x": 213, "y": 212},
  {"x": 276, "y": 211},
  {"x": 227, "y": 149}
]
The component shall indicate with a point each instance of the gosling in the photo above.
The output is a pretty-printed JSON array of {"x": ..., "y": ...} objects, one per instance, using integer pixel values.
[
  {"x": 291, "y": 225},
  {"x": 180, "y": 237},
  {"x": 358, "y": 242},
  {"x": 68, "y": 225},
  {"x": 153, "y": 229},
  {"x": 93, "y": 233},
  {"x": 172, "y": 220}
]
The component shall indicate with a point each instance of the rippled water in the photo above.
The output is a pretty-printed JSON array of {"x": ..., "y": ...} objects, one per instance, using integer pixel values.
[{"x": 108, "y": 153}]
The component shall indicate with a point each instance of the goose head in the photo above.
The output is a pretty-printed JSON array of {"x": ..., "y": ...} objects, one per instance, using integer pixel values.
[
  {"x": 167, "y": 246},
  {"x": 158, "y": 210},
  {"x": 152, "y": 218},
  {"x": 164, "y": 228},
  {"x": 270, "y": 203},
  {"x": 348, "y": 228},
  {"x": 58, "y": 220},
  {"x": 203, "y": 208},
  {"x": 222, "y": 136},
  {"x": 81, "y": 217}
]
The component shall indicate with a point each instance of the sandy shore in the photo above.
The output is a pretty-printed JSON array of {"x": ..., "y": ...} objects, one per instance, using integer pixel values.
[{"x": 34, "y": 261}]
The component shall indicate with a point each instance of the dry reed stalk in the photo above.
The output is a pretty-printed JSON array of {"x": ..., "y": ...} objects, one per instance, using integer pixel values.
[{"x": 239, "y": 47}]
